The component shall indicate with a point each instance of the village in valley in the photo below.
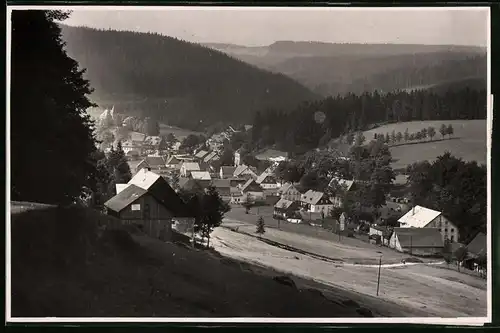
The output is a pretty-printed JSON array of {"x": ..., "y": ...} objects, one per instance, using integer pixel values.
[{"x": 249, "y": 193}]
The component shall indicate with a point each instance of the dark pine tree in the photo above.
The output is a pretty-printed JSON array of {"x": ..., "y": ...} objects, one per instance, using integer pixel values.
[{"x": 51, "y": 135}]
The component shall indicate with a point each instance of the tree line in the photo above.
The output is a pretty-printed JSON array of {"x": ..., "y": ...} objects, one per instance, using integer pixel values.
[
  {"x": 55, "y": 157},
  {"x": 424, "y": 133},
  {"x": 314, "y": 124}
]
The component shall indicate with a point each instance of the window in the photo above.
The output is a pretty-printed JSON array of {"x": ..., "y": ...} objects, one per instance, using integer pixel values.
[
  {"x": 452, "y": 230},
  {"x": 452, "y": 238},
  {"x": 136, "y": 207},
  {"x": 445, "y": 230}
]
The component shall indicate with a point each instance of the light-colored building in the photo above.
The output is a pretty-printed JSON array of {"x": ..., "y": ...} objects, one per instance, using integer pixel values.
[
  {"x": 237, "y": 157},
  {"x": 200, "y": 175},
  {"x": 421, "y": 217},
  {"x": 244, "y": 171},
  {"x": 316, "y": 202},
  {"x": 267, "y": 181},
  {"x": 188, "y": 167},
  {"x": 289, "y": 192}
]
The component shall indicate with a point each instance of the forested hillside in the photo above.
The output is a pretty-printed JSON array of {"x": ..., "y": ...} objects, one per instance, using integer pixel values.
[
  {"x": 181, "y": 83},
  {"x": 331, "y": 69},
  {"x": 314, "y": 124}
]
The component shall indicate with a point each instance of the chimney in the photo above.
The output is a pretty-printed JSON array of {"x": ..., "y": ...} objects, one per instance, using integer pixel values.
[
  {"x": 148, "y": 168},
  {"x": 413, "y": 211}
]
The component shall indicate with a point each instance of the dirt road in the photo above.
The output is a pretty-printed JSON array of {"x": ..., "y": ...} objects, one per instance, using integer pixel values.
[{"x": 427, "y": 290}]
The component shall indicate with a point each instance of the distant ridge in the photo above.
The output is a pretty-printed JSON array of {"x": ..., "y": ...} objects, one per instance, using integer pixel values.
[{"x": 178, "y": 82}]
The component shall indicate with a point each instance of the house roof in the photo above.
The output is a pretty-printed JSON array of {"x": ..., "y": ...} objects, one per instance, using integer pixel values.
[
  {"x": 418, "y": 217},
  {"x": 120, "y": 187},
  {"x": 142, "y": 164},
  {"x": 478, "y": 245},
  {"x": 155, "y": 161},
  {"x": 190, "y": 184},
  {"x": 419, "y": 237},
  {"x": 347, "y": 184},
  {"x": 265, "y": 175},
  {"x": 312, "y": 197},
  {"x": 158, "y": 187},
  {"x": 152, "y": 140},
  {"x": 239, "y": 170},
  {"x": 191, "y": 166},
  {"x": 251, "y": 185},
  {"x": 220, "y": 183},
  {"x": 227, "y": 171},
  {"x": 123, "y": 199},
  {"x": 285, "y": 187},
  {"x": 201, "y": 154},
  {"x": 284, "y": 204},
  {"x": 144, "y": 179},
  {"x": 201, "y": 175},
  {"x": 211, "y": 156},
  {"x": 271, "y": 154},
  {"x": 173, "y": 160}
]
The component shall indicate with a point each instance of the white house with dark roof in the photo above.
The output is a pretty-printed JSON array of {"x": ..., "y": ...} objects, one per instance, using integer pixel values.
[
  {"x": 188, "y": 167},
  {"x": 237, "y": 157},
  {"x": 316, "y": 202},
  {"x": 421, "y": 217}
]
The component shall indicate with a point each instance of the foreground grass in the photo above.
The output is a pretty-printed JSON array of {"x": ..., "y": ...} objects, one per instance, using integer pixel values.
[{"x": 64, "y": 264}]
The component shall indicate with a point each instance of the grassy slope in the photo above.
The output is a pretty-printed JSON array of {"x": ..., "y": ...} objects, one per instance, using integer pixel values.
[
  {"x": 62, "y": 265},
  {"x": 468, "y": 142}
]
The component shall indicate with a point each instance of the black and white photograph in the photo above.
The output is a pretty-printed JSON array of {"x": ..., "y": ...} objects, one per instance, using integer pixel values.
[{"x": 248, "y": 164}]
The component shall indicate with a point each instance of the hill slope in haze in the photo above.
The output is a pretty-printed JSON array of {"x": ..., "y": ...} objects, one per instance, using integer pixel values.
[
  {"x": 175, "y": 81},
  {"x": 331, "y": 69}
]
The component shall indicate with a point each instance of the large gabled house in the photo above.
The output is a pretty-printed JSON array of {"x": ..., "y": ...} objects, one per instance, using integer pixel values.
[
  {"x": 421, "y": 217},
  {"x": 253, "y": 190},
  {"x": 286, "y": 208},
  {"x": 316, "y": 202},
  {"x": 244, "y": 171},
  {"x": 152, "y": 163},
  {"x": 289, "y": 192},
  {"x": 149, "y": 202}
]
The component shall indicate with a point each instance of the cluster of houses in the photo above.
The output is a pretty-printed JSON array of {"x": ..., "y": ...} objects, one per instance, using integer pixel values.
[
  {"x": 138, "y": 144},
  {"x": 150, "y": 196}
]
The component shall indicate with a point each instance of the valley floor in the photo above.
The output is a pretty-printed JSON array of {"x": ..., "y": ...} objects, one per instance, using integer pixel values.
[{"x": 421, "y": 289}]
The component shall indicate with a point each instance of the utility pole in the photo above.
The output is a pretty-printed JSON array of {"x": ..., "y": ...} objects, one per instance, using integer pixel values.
[
  {"x": 411, "y": 245},
  {"x": 378, "y": 280}
]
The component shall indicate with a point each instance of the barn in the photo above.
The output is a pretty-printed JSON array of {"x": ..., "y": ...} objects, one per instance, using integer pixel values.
[{"x": 417, "y": 241}]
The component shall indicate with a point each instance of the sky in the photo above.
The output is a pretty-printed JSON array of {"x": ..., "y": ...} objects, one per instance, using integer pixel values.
[{"x": 260, "y": 27}]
